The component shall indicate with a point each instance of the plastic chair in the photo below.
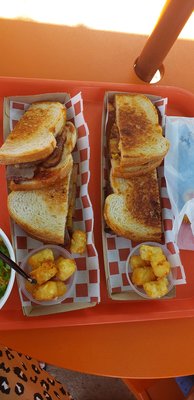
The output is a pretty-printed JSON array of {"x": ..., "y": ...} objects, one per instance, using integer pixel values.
[{"x": 154, "y": 389}]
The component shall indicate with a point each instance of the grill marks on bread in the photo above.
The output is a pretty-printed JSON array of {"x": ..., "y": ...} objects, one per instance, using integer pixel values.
[
  {"x": 140, "y": 135},
  {"x": 136, "y": 147},
  {"x": 33, "y": 137},
  {"x": 33, "y": 119},
  {"x": 133, "y": 126},
  {"x": 50, "y": 115},
  {"x": 48, "y": 176},
  {"x": 39, "y": 203},
  {"x": 143, "y": 200}
]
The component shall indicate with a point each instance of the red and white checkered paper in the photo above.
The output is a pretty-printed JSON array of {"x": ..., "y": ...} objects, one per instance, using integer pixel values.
[
  {"x": 87, "y": 284},
  {"x": 119, "y": 248}
]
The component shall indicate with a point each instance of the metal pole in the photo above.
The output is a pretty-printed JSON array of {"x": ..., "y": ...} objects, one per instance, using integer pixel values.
[{"x": 171, "y": 21}]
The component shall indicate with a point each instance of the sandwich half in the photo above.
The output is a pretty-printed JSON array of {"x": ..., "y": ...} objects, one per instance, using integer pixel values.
[
  {"x": 133, "y": 211},
  {"x": 55, "y": 167},
  {"x": 135, "y": 140},
  {"x": 42, "y": 213},
  {"x": 37, "y": 152},
  {"x": 125, "y": 171},
  {"x": 34, "y": 136}
]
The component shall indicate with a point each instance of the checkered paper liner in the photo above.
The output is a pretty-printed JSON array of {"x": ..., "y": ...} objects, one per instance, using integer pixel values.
[
  {"x": 87, "y": 284},
  {"x": 116, "y": 248}
]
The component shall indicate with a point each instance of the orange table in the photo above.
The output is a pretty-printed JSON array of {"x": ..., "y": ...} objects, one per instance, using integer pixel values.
[{"x": 139, "y": 349}]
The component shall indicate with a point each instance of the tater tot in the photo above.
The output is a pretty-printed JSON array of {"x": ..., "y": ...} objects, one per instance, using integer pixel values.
[
  {"x": 157, "y": 259},
  {"x": 50, "y": 273},
  {"x": 136, "y": 261},
  {"x": 142, "y": 275},
  {"x": 36, "y": 259},
  {"x": 61, "y": 288},
  {"x": 47, "y": 291},
  {"x": 161, "y": 266},
  {"x": 157, "y": 288},
  {"x": 146, "y": 251},
  {"x": 30, "y": 287},
  {"x": 44, "y": 272},
  {"x": 65, "y": 268},
  {"x": 78, "y": 242}
]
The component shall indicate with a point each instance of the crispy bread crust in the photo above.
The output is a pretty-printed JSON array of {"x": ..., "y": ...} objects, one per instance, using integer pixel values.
[
  {"x": 141, "y": 208},
  {"x": 48, "y": 176},
  {"x": 55, "y": 199},
  {"x": 29, "y": 156},
  {"x": 122, "y": 172},
  {"x": 143, "y": 200},
  {"x": 130, "y": 234},
  {"x": 44, "y": 178},
  {"x": 136, "y": 147},
  {"x": 33, "y": 137},
  {"x": 139, "y": 130}
]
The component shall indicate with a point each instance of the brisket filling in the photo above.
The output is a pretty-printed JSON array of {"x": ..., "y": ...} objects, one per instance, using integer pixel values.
[{"x": 27, "y": 171}]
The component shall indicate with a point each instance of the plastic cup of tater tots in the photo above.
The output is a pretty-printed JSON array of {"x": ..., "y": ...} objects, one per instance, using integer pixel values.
[
  {"x": 70, "y": 282},
  {"x": 139, "y": 288}
]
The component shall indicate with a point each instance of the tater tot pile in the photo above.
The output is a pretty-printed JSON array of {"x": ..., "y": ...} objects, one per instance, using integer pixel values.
[
  {"x": 50, "y": 274},
  {"x": 150, "y": 270}
]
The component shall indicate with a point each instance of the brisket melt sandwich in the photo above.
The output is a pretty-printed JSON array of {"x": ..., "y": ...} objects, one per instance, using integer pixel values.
[
  {"x": 133, "y": 209},
  {"x": 135, "y": 140},
  {"x": 38, "y": 150},
  {"x": 46, "y": 214},
  {"x": 136, "y": 147},
  {"x": 40, "y": 171}
]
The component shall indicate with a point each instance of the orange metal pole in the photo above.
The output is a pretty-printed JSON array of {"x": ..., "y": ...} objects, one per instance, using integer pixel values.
[{"x": 171, "y": 21}]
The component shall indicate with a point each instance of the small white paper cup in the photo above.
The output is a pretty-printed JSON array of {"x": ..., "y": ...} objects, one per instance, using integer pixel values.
[{"x": 57, "y": 251}]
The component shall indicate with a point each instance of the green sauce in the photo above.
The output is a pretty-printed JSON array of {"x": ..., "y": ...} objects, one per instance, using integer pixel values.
[{"x": 5, "y": 270}]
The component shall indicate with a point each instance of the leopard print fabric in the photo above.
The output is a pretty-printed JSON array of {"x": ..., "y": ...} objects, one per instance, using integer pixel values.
[{"x": 21, "y": 377}]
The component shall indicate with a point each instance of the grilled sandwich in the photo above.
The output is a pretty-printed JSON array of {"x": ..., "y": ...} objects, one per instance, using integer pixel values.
[
  {"x": 34, "y": 136},
  {"x": 42, "y": 213},
  {"x": 135, "y": 140},
  {"x": 133, "y": 210},
  {"x": 55, "y": 167},
  {"x": 38, "y": 150},
  {"x": 125, "y": 171}
]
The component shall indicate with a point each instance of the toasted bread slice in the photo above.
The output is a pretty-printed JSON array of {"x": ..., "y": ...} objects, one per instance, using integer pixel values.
[
  {"x": 128, "y": 172},
  {"x": 125, "y": 171},
  {"x": 140, "y": 135},
  {"x": 48, "y": 176},
  {"x": 42, "y": 213},
  {"x": 33, "y": 137},
  {"x": 134, "y": 210}
]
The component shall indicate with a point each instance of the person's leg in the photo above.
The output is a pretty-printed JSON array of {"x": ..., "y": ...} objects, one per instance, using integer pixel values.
[{"x": 22, "y": 377}]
